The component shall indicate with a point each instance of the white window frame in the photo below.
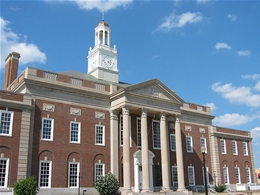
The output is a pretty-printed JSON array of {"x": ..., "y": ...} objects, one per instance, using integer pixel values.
[
  {"x": 139, "y": 137},
  {"x": 77, "y": 176},
  {"x": 174, "y": 176},
  {"x": 71, "y": 131},
  {"x": 234, "y": 147},
  {"x": 52, "y": 127},
  {"x": 10, "y": 124},
  {"x": 103, "y": 170},
  {"x": 207, "y": 173},
  {"x": 225, "y": 175},
  {"x": 191, "y": 176},
  {"x": 248, "y": 175},
  {"x": 245, "y": 148},
  {"x": 6, "y": 173},
  {"x": 237, "y": 175},
  {"x": 49, "y": 174},
  {"x": 223, "y": 146},
  {"x": 121, "y": 130},
  {"x": 173, "y": 142},
  {"x": 156, "y": 135},
  {"x": 203, "y": 143},
  {"x": 97, "y": 127},
  {"x": 189, "y": 144}
]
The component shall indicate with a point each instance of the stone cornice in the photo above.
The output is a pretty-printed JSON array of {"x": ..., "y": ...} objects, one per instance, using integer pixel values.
[
  {"x": 15, "y": 104},
  {"x": 232, "y": 136}
]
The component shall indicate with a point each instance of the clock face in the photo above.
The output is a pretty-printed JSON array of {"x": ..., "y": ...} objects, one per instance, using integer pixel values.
[{"x": 108, "y": 62}]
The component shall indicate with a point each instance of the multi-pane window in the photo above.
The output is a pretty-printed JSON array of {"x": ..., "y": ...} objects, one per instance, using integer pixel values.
[
  {"x": 6, "y": 121},
  {"x": 99, "y": 170},
  {"x": 73, "y": 175},
  {"x": 47, "y": 129},
  {"x": 174, "y": 176},
  {"x": 100, "y": 135},
  {"x": 121, "y": 130},
  {"x": 234, "y": 147},
  {"x": 203, "y": 143},
  {"x": 45, "y": 174},
  {"x": 156, "y": 135},
  {"x": 74, "y": 132},
  {"x": 173, "y": 142},
  {"x": 139, "y": 138},
  {"x": 223, "y": 146},
  {"x": 191, "y": 176},
  {"x": 225, "y": 175},
  {"x": 207, "y": 175},
  {"x": 237, "y": 174},
  {"x": 189, "y": 145},
  {"x": 248, "y": 175},
  {"x": 245, "y": 150},
  {"x": 4, "y": 167}
]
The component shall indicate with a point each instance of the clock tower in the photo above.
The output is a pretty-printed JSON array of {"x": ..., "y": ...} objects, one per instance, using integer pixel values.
[{"x": 102, "y": 59}]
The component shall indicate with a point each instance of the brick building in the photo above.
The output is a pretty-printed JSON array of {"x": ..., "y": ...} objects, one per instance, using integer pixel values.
[{"x": 67, "y": 128}]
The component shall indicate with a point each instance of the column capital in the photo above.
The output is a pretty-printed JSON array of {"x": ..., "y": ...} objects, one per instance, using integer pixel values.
[
  {"x": 177, "y": 120},
  {"x": 144, "y": 113},
  {"x": 125, "y": 110},
  {"x": 113, "y": 114},
  {"x": 163, "y": 116}
]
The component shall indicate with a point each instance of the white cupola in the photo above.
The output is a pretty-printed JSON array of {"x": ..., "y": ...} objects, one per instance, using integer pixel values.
[{"x": 102, "y": 59}]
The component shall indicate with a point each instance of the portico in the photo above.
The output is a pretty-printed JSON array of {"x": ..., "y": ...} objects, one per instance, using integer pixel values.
[{"x": 146, "y": 99}]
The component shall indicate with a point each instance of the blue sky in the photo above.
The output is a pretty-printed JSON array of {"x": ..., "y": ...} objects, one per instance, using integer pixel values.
[{"x": 208, "y": 52}]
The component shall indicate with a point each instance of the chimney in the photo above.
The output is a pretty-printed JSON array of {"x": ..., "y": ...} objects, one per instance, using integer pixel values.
[{"x": 11, "y": 69}]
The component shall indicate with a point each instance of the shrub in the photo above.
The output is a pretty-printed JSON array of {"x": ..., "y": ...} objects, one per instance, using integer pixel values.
[
  {"x": 220, "y": 188},
  {"x": 27, "y": 186},
  {"x": 107, "y": 185}
]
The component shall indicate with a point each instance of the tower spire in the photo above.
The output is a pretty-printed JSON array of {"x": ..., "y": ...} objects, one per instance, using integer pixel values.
[{"x": 103, "y": 14}]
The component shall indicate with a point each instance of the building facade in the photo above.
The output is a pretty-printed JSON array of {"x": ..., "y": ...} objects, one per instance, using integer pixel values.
[{"x": 67, "y": 128}]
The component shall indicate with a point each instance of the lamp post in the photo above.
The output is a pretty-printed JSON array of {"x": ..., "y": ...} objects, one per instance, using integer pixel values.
[{"x": 203, "y": 150}]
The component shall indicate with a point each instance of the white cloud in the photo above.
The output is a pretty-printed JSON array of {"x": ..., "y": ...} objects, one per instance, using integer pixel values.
[
  {"x": 240, "y": 95},
  {"x": 232, "y": 17},
  {"x": 251, "y": 76},
  {"x": 257, "y": 86},
  {"x": 244, "y": 53},
  {"x": 255, "y": 133},
  {"x": 212, "y": 106},
  {"x": 222, "y": 46},
  {"x": 231, "y": 120},
  {"x": 178, "y": 21},
  {"x": 11, "y": 41},
  {"x": 98, "y": 4}
]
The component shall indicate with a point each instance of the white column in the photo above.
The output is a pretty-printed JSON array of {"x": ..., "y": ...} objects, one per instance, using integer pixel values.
[
  {"x": 179, "y": 156},
  {"x": 104, "y": 38},
  {"x": 126, "y": 150},
  {"x": 164, "y": 153},
  {"x": 114, "y": 142},
  {"x": 145, "y": 153},
  {"x": 136, "y": 174}
]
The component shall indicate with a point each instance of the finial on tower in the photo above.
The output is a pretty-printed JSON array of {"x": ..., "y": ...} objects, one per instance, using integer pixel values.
[{"x": 103, "y": 14}]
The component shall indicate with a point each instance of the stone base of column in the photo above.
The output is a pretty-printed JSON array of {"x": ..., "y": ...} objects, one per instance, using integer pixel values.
[
  {"x": 146, "y": 191},
  {"x": 165, "y": 189},
  {"x": 126, "y": 192},
  {"x": 182, "y": 190}
]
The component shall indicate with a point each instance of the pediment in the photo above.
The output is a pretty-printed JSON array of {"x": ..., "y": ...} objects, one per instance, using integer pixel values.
[{"x": 154, "y": 89}]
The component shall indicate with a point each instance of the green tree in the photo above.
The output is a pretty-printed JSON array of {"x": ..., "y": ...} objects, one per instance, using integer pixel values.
[
  {"x": 27, "y": 186},
  {"x": 107, "y": 185}
]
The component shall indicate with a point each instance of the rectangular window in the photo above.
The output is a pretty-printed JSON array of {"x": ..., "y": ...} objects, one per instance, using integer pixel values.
[
  {"x": 248, "y": 175},
  {"x": 174, "y": 176},
  {"x": 223, "y": 146},
  {"x": 73, "y": 174},
  {"x": 156, "y": 135},
  {"x": 173, "y": 142},
  {"x": 4, "y": 169},
  {"x": 121, "y": 130},
  {"x": 45, "y": 174},
  {"x": 189, "y": 145},
  {"x": 237, "y": 174},
  {"x": 6, "y": 122},
  {"x": 207, "y": 174},
  {"x": 139, "y": 138},
  {"x": 203, "y": 143},
  {"x": 245, "y": 150},
  {"x": 234, "y": 147},
  {"x": 99, "y": 170},
  {"x": 225, "y": 175},
  {"x": 100, "y": 135},
  {"x": 47, "y": 129},
  {"x": 74, "y": 132},
  {"x": 191, "y": 176}
]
